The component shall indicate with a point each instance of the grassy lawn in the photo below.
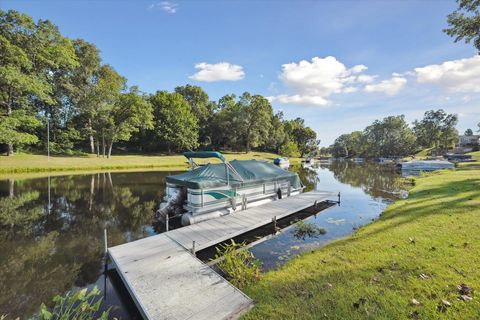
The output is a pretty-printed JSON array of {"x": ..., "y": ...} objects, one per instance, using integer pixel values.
[
  {"x": 28, "y": 163},
  {"x": 421, "y": 248}
]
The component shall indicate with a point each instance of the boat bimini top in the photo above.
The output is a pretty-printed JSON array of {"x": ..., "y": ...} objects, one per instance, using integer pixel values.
[{"x": 236, "y": 174}]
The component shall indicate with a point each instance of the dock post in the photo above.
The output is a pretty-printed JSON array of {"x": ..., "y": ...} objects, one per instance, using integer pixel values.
[
  {"x": 105, "y": 241},
  {"x": 193, "y": 247},
  {"x": 166, "y": 222},
  {"x": 274, "y": 220},
  {"x": 315, "y": 204},
  {"x": 339, "y": 198}
]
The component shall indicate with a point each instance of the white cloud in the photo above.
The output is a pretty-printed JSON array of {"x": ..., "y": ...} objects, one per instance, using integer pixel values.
[
  {"x": 390, "y": 87},
  {"x": 300, "y": 100},
  {"x": 222, "y": 71},
  {"x": 312, "y": 82},
  {"x": 457, "y": 75},
  {"x": 166, "y": 6}
]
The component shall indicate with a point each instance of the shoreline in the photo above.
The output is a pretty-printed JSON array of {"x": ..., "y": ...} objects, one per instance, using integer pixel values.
[
  {"x": 412, "y": 252},
  {"x": 29, "y": 165}
]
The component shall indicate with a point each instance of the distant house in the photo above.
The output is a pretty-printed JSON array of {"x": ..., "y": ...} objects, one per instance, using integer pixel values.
[{"x": 469, "y": 140}]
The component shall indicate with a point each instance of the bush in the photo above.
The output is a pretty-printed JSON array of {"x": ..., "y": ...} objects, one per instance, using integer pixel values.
[
  {"x": 81, "y": 305},
  {"x": 239, "y": 265}
]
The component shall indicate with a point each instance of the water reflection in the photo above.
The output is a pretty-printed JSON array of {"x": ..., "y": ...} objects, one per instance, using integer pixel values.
[
  {"x": 51, "y": 231},
  {"x": 366, "y": 191}
]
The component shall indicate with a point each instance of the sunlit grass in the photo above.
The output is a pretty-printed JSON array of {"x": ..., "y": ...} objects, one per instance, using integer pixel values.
[
  {"x": 421, "y": 248},
  {"x": 28, "y": 163}
]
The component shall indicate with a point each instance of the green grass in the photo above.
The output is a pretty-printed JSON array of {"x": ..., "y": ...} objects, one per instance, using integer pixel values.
[
  {"x": 28, "y": 163},
  {"x": 375, "y": 273}
]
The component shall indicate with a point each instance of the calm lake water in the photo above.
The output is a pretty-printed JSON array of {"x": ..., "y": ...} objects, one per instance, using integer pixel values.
[{"x": 51, "y": 229}]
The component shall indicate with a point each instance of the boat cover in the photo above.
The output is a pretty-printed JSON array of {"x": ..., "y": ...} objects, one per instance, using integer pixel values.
[{"x": 252, "y": 172}]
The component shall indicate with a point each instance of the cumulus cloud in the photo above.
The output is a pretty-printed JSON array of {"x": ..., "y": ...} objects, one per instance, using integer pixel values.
[
  {"x": 299, "y": 99},
  {"x": 312, "y": 82},
  {"x": 166, "y": 6},
  {"x": 222, "y": 71},
  {"x": 457, "y": 75},
  {"x": 389, "y": 87}
]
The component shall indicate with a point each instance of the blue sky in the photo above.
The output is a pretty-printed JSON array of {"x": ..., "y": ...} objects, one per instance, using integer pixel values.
[{"x": 338, "y": 64}]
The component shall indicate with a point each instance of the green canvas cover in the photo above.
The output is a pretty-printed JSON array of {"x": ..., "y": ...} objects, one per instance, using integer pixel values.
[
  {"x": 204, "y": 154},
  {"x": 252, "y": 172}
]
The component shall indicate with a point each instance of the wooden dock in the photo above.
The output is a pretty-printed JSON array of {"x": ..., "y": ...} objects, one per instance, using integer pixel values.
[{"x": 167, "y": 281}]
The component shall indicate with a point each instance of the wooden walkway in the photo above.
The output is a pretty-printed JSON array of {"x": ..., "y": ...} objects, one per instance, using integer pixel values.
[{"x": 167, "y": 281}]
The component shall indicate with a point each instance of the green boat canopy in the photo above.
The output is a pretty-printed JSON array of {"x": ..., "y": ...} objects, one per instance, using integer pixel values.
[
  {"x": 252, "y": 172},
  {"x": 204, "y": 154}
]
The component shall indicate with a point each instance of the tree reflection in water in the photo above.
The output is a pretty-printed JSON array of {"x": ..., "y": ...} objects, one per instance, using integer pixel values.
[{"x": 51, "y": 231}]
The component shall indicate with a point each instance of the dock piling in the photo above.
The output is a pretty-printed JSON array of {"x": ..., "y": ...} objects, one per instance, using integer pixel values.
[
  {"x": 274, "y": 220},
  {"x": 105, "y": 241},
  {"x": 339, "y": 198},
  {"x": 166, "y": 222},
  {"x": 193, "y": 247}
]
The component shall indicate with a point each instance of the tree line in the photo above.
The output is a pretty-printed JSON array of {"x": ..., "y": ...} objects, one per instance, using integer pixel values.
[
  {"x": 393, "y": 137},
  {"x": 47, "y": 79}
]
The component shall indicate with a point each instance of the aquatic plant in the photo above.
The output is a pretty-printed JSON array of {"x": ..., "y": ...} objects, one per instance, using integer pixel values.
[
  {"x": 307, "y": 229},
  {"x": 79, "y": 306},
  {"x": 239, "y": 265}
]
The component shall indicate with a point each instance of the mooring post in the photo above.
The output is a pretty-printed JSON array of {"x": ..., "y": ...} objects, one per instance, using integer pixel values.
[
  {"x": 315, "y": 204},
  {"x": 166, "y": 222},
  {"x": 339, "y": 198},
  {"x": 274, "y": 220},
  {"x": 193, "y": 247}
]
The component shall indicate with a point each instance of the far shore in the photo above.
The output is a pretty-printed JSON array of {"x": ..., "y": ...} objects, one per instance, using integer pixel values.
[{"x": 31, "y": 165}]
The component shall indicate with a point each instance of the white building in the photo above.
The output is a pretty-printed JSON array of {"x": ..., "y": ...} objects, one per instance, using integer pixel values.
[{"x": 469, "y": 140}]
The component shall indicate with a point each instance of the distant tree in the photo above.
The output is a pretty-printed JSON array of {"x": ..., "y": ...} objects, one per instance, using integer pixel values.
[
  {"x": 464, "y": 22},
  {"x": 127, "y": 115},
  {"x": 29, "y": 55},
  {"x": 389, "y": 137},
  {"x": 290, "y": 149},
  {"x": 175, "y": 125},
  {"x": 468, "y": 132},
  {"x": 83, "y": 93},
  {"x": 436, "y": 129},
  {"x": 303, "y": 136},
  {"x": 276, "y": 136},
  {"x": 202, "y": 108},
  {"x": 106, "y": 95},
  {"x": 255, "y": 113}
]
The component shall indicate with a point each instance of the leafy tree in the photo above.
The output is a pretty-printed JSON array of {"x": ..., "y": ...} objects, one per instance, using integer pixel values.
[
  {"x": 255, "y": 113},
  {"x": 19, "y": 79},
  {"x": 390, "y": 137},
  {"x": 469, "y": 132},
  {"x": 290, "y": 149},
  {"x": 276, "y": 137},
  {"x": 127, "y": 115},
  {"x": 201, "y": 106},
  {"x": 14, "y": 129},
  {"x": 174, "y": 122},
  {"x": 105, "y": 96},
  {"x": 464, "y": 23},
  {"x": 436, "y": 129},
  {"x": 82, "y": 95}
]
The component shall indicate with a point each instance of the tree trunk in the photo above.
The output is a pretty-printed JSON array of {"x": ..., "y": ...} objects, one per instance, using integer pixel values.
[
  {"x": 92, "y": 141},
  {"x": 110, "y": 149},
  {"x": 9, "y": 112},
  {"x": 103, "y": 144},
  {"x": 98, "y": 147}
]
